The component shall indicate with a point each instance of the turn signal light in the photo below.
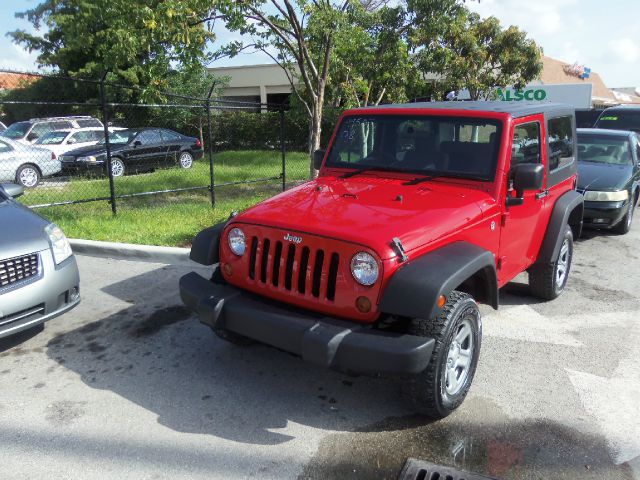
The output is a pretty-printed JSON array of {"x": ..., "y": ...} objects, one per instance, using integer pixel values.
[
  {"x": 228, "y": 269},
  {"x": 363, "y": 304},
  {"x": 441, "y": 301}
]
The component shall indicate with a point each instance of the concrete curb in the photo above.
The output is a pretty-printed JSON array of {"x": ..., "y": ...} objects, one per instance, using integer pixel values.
[{"x": 129, "y": 251}]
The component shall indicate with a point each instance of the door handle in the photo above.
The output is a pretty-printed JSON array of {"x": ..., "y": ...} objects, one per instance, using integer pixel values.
[{"x": 542, "y": 194}]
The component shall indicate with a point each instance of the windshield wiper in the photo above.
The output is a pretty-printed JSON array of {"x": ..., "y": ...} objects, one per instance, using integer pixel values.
[
  {"x": 426, "y": 178},
  {"x": 366, "y": 169}
]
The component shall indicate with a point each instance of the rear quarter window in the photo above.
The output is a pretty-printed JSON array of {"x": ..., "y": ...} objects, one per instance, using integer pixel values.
[{"x": 561, "y": 141}]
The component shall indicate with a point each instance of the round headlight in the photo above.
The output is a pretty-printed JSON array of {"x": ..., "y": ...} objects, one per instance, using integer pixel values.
[
  {"x": 237, "y": 243},
  {"x": 364, "y": 268}
]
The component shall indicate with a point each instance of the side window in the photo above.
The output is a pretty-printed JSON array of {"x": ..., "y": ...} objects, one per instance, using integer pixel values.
[
  {"x": 83, "y": 137},
  {"x": 526, "y": 144},
  {"x": 169, "y": 136},
  {"x": 149, "y": 136},
  {"x": 561, "y": 142},
  {"x": 97, "y": 135}
]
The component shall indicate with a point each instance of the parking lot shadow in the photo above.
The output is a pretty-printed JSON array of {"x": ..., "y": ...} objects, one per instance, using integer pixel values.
[{"x": 157, "y": 355}]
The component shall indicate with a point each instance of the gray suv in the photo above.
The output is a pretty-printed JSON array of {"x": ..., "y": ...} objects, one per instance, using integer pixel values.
[{"x": 39, "y": 277}]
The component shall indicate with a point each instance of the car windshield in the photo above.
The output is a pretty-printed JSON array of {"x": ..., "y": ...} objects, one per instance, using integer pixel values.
[
  {"x": 620, "y": 120},
  {"x": 603, "y": 149},
  {"x": 52, "y": 138},
  {"x": 120, "y": 137},
  {"x": 433, "y": 145},
  {"x": 17, "y": 130}
]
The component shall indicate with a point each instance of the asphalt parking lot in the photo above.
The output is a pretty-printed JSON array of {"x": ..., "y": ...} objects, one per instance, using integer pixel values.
[{"x": 130, "y": 385}]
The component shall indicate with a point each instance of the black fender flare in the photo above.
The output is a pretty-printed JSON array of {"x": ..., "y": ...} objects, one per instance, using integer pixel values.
[
  {"x": 205, "y": 248},
  {"x": 414, "y": 289},
  {"x": 567, "y": 210}
]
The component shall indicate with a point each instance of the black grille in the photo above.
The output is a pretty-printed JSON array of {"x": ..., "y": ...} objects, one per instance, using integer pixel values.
[
  {"x": 293, "y": 268},
  {"x": 420, "y": 470},
  {"x": 14, "y": 270}
]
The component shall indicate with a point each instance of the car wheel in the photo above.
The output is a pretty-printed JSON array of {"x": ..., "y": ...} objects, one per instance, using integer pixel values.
[
  {"x": 28, "y": 175},
  {"x": 444, "y": 384},
  {"x": 186, "y": 160},
  {"x": 625, "y": 224},
  {"x": 548, "y": 281},
  {"x": 117, "y": 167}
]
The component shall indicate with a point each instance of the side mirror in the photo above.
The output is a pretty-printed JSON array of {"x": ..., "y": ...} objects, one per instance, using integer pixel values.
[
  {"x": 137, "y": 143},
  {"x": 71, "y": 141},
  {"x": 12, "y": 189},
  {"x": 32, "y": 137},
  {"x": 526, "y": 176},
  {"x": 318, "y": 156}
]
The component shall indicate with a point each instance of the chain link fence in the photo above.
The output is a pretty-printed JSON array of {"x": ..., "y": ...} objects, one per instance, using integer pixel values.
[{"x": 77, "y": 141}]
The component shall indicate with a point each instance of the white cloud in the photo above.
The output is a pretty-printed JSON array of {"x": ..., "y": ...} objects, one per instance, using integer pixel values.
[{"x": 625, "y": 49}]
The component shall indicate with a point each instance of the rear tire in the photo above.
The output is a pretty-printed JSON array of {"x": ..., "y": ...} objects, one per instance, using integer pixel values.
[
  {"x": 28, "y": 175},
  {"x": 624, "y": 226},
  {"x": 444, "y": 384},
  {"x": 549, "y": 280}
]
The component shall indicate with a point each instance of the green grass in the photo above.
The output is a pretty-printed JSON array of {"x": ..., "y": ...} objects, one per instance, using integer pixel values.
[
  {"x": 231, "y": 166},
  {"x": 166, "y": 219}
]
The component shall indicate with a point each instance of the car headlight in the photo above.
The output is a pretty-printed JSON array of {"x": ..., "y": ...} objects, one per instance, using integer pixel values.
[
  {"x": 60, "y": 246},
  {"x": 236, "y": 240},
  {"x": 89, "y": 159},
  {"x": 618, "y": 196},
  {"x": 364, "y": 268}
]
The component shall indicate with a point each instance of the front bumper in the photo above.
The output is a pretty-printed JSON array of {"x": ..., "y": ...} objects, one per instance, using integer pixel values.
[
  {"x": 83, "y": 168},
  {"x": 604, "y": 214},
  {"x": 324, "y": 341},
  {"x": 55, "y": 292}
]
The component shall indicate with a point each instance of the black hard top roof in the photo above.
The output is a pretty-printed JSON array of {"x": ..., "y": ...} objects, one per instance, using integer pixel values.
[
  {"x": 606, "y": 131},
  {"x": 515, "y": 109}
]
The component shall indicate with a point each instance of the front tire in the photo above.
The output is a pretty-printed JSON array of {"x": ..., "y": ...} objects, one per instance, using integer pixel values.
[
  {"x": 624, "y": 226},
  {"x": 457, "y": 330},
  {"x": 28, "y": 175},
  {"x": 117, "y": 167},
  {"x": 548, "y": 281}
]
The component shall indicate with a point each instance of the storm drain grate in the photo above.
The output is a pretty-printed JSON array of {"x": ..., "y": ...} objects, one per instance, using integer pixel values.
[{"x": 415, "y": 469}]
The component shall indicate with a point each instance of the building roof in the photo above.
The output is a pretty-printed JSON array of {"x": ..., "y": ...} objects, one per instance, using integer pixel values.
[
  {"x": 10, "y": 81},
  {"x": 515, "y": 109}
]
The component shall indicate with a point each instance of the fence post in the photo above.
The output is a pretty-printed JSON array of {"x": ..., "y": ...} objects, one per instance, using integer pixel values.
[
  {"x": 107, "y": 144},
  {"x": 209, "y": 127},
  {"x": 284, "y": 162}
]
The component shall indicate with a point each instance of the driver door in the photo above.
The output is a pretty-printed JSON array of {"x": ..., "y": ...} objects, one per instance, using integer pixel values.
[{"x": 521, "y": 223}]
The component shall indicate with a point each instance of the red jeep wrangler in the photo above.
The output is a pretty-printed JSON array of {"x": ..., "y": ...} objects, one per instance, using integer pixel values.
[{"x": 419, "y": 211}]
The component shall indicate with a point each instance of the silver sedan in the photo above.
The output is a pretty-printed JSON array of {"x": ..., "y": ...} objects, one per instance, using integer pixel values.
[
  {"x": 25, "y": 164},
  {"x": 39, "y": 277}
]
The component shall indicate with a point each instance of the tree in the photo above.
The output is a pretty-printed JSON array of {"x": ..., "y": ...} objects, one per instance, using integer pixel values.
[
  {"x": 478, "y": 55},
  {"x": 371, "y": 62},
  {"x": 299, "y": 36},
  {"x": 138, "y": 41}
]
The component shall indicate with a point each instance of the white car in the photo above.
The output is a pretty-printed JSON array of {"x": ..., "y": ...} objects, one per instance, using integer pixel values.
[
  {"x": 62, "y": 141},
  {"x": 25, "y": 164},
  {"x": 28, "y": 131}
]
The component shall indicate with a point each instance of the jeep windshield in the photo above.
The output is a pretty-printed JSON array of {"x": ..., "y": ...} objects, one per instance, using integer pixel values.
[{"x": 427, "y": 145}]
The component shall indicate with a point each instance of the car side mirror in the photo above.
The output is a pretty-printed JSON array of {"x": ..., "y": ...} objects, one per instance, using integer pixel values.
[
  {"x": 526, "y": 176},
  {"x": 318, "y": 156},
  {"x": 12, "y": 189},
  {"x": 137, "y": 143},
  {"x": 32, "y": 137}
]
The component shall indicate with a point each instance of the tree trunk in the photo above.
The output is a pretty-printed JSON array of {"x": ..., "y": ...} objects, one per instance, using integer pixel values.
[
  {"x": 315, "y": 131},
  {"x": 200, "y": 132}
]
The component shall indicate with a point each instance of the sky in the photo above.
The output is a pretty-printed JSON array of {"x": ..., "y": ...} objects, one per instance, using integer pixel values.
[{"x": 603, "y": 36}]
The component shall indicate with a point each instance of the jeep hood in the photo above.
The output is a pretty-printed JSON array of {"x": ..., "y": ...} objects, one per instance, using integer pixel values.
[{"x": 372, "y": 211}]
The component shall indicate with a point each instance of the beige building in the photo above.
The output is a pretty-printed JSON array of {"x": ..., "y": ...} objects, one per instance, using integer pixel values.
[{"x": 255, "y": 83}]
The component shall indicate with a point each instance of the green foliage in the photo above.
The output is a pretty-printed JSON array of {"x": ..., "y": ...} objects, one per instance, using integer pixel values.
[
  {"x": 478, "y": 54},
  {"x": 138, "y": 41}
]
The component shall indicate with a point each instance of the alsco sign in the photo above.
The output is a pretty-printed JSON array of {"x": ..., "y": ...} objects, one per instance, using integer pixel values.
[{"x": 508, "y": 95}]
